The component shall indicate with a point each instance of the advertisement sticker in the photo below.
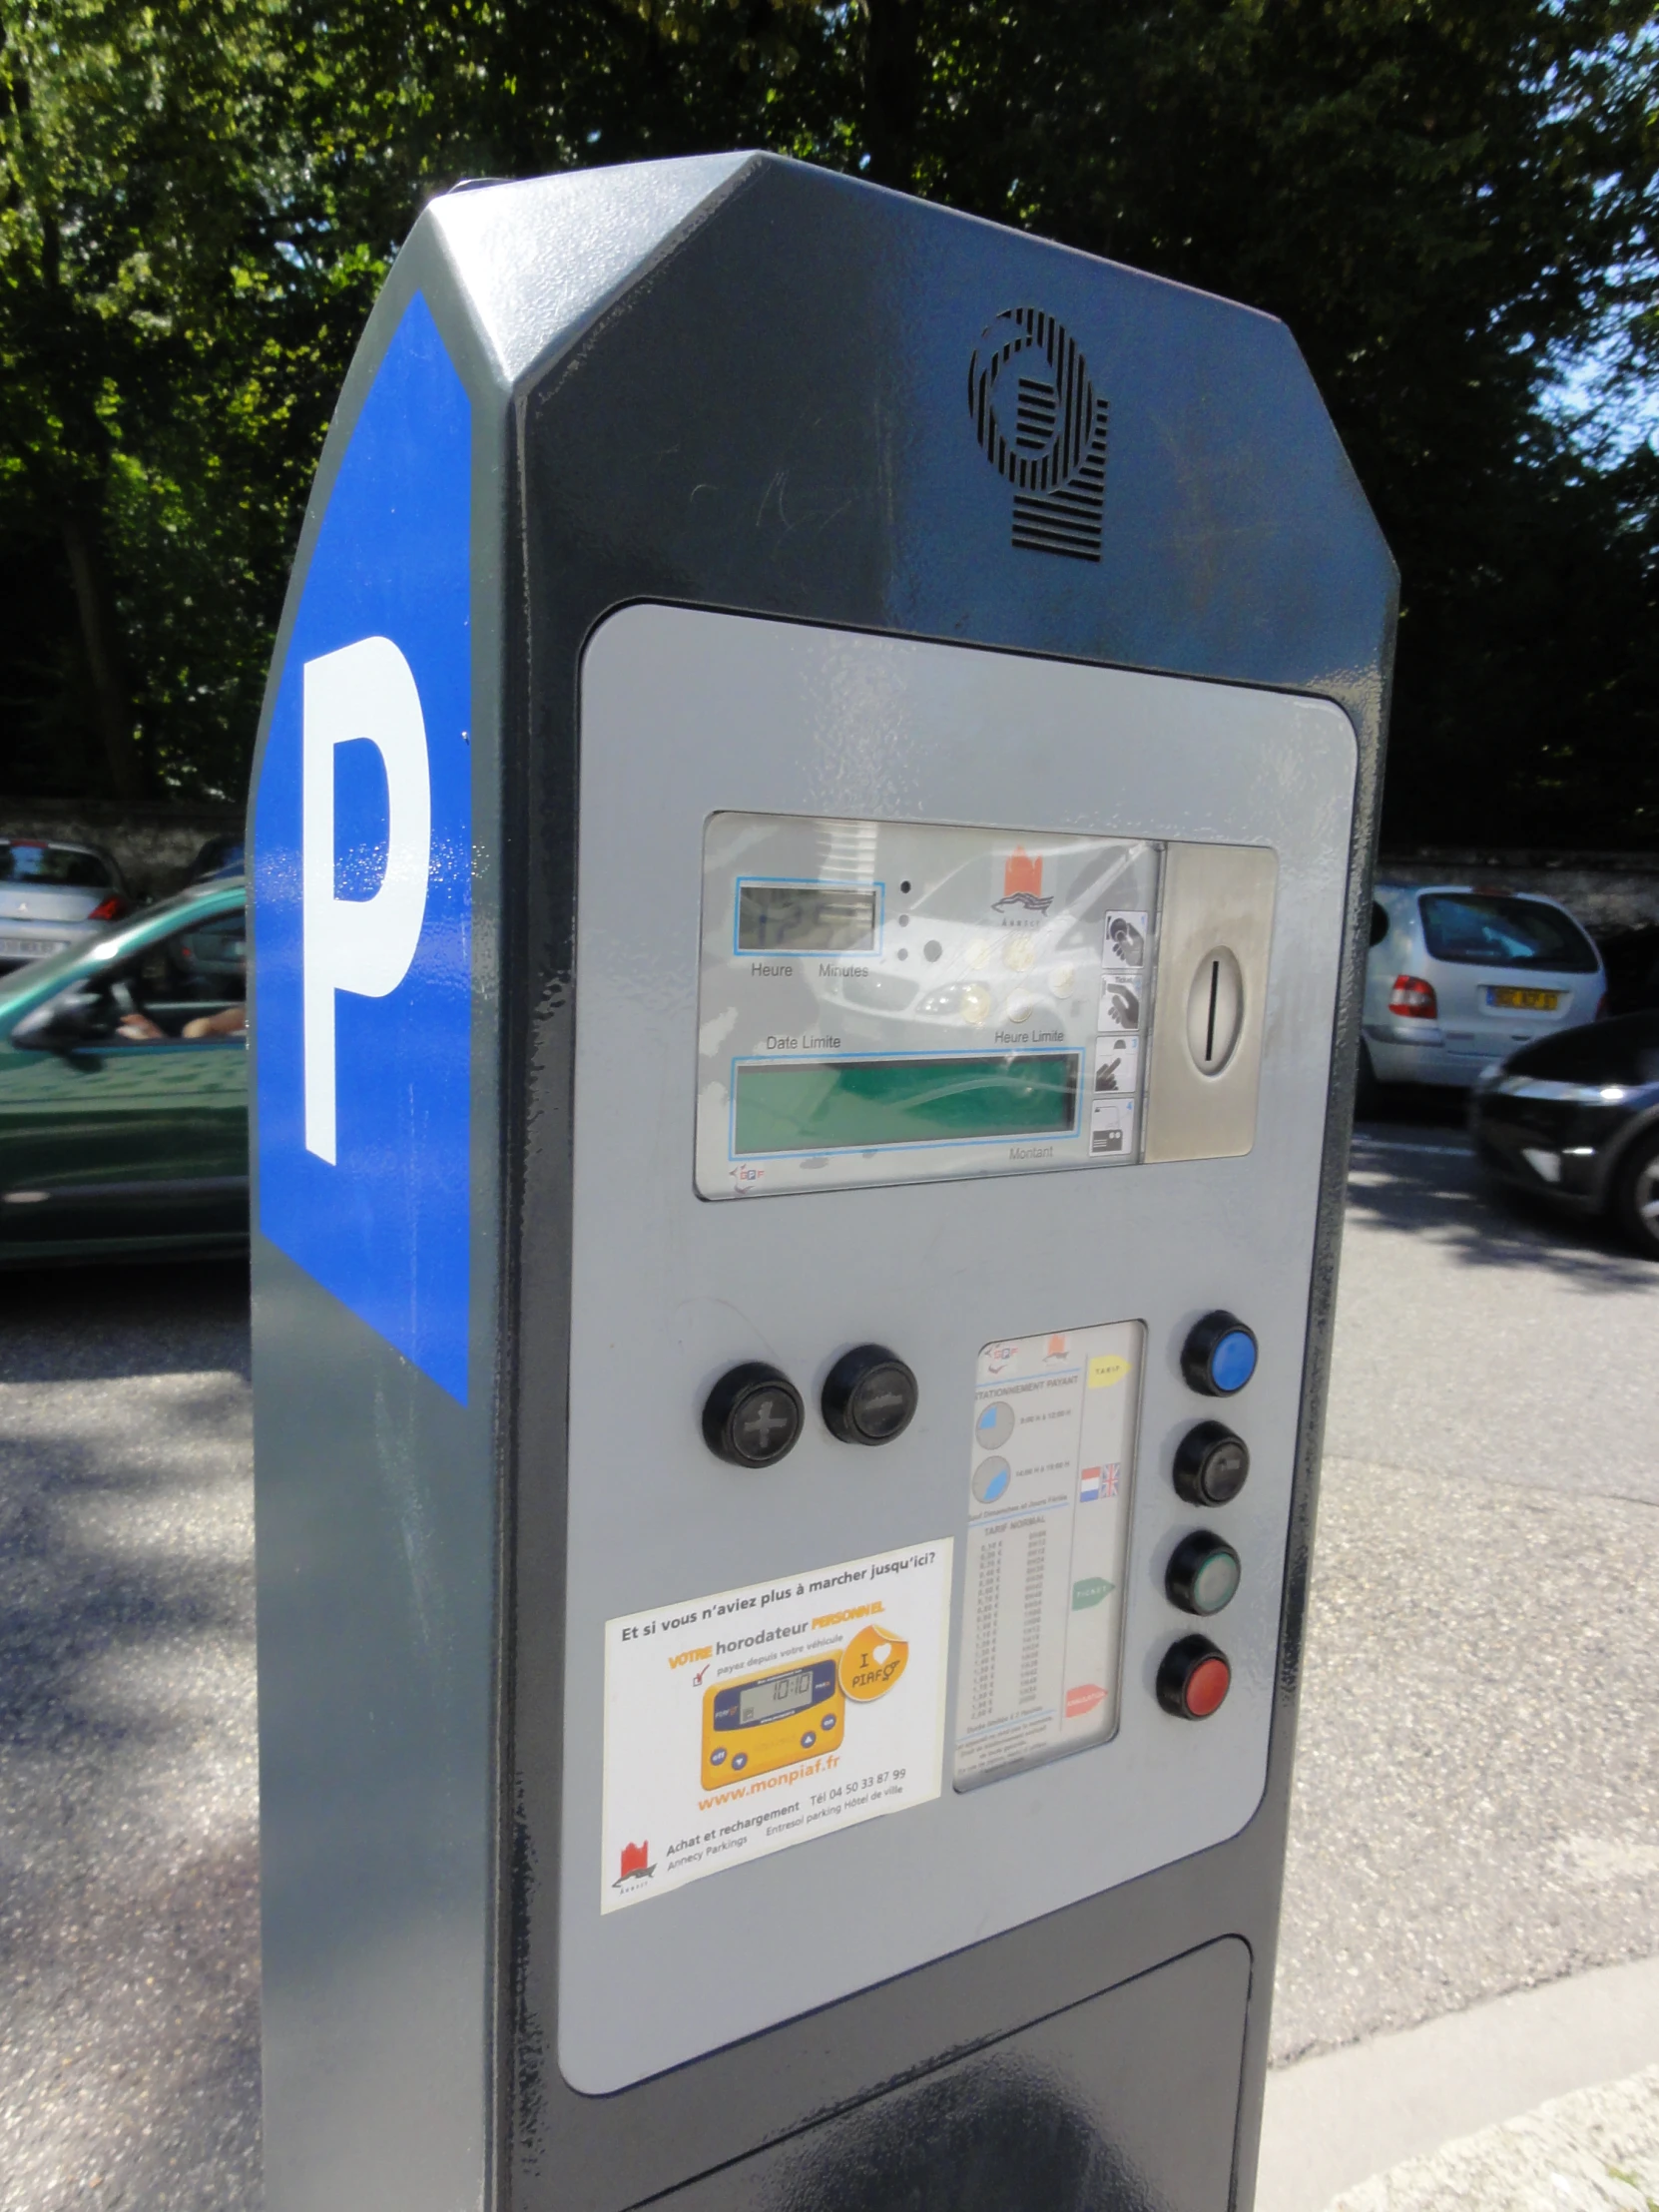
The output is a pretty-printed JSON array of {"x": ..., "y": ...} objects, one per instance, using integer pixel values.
[{"x": 739, "y": 1723}]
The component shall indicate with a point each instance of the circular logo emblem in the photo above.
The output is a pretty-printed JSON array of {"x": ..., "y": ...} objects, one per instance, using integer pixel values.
[{"x": 1042, "y": 425}]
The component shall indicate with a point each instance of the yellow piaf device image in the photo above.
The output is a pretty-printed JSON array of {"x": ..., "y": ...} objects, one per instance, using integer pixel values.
[{"x": 770, "y": 1720}]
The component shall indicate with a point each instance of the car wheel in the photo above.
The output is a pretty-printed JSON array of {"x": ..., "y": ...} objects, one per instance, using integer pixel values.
[
  {"x": 1636, "y": 1196},
  {"x": 1368, "y": 1091}
]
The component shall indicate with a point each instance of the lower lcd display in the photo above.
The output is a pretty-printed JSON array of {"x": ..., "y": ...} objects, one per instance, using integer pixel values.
[{"x": 857, "y": 1105}]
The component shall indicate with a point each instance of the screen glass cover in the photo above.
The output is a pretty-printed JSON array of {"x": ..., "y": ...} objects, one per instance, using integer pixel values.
[{"x": 883, "y": 1001}]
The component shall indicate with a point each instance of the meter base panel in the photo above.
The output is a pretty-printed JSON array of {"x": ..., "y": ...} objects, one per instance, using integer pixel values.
[
  {"x": 735, "y": 384},
  {"x": 1068, "y": 2116}
]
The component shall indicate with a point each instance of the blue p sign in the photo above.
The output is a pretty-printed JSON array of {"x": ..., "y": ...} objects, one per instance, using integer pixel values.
[{"x": 362, "y": 877}]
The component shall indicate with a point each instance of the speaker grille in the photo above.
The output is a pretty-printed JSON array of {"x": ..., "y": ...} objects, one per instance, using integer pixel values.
[{"x": 1056, "y": 458}]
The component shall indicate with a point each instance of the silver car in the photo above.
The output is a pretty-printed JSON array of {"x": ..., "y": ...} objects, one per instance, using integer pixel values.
[
  {"x": 1460, "y": 975},
  {"x": 52, "y": 894}
]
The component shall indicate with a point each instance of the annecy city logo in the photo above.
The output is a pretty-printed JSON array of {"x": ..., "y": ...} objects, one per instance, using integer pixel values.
[
  {"x": 1042, "y": 425},
  {"x": 1022, "y": 884},
  {"x": 636, "y": 1867}
]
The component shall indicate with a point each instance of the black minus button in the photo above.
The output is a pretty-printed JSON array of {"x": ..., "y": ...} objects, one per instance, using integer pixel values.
[
  {"x": 1211, "y": 1464},
  {"x": 869, "y": 1396}
]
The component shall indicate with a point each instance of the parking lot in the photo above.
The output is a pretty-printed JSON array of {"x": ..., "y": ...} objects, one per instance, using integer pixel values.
[{"x": 1478, "y": 1780}]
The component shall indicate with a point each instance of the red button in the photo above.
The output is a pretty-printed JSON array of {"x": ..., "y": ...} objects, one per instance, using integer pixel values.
[
  {"x": 1193, "y": 1679},
  {"x": 1207, "y": 1687}
]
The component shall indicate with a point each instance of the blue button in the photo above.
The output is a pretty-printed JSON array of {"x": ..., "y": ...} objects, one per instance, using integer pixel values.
[
  {"x": 740, "y": 1762},
  {"x": 717, "y": 1757},
  {"x": 1233, "y": 1361},
  {"x": 827, "y": 1722},
  {"x": 808, "y": 1741},
  {"x": 1219, "y": 1356}
]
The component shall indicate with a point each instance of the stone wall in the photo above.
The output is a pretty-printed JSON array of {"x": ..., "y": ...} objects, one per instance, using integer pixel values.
[
  {"x": 1609, "y": 893},
  {"x": 153, "y": 843}
]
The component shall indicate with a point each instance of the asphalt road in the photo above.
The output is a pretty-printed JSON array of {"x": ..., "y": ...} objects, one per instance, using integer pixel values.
[
  {"x": 128, "y": 1923},
  {"x": 1477, "y": 1799},
  {"x": 1478, "y": 1778}
]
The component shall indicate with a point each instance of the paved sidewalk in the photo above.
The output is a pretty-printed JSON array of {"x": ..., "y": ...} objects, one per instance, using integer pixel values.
[
  {"x": 1387, "y": 2105},
  {"x": 1595, "y": 2151}
]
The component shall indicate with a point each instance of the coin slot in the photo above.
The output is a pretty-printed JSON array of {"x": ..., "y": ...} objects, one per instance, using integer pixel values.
[{"x": 1214, "y": 1010}]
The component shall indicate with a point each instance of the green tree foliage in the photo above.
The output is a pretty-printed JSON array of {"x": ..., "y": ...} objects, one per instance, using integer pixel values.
[{"x": 1449, "y": 200}]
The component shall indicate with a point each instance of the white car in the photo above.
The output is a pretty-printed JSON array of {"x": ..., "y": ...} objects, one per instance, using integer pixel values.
[
  {"x": 53, "y": 894},
  {"x": 1460, "y": 975}
]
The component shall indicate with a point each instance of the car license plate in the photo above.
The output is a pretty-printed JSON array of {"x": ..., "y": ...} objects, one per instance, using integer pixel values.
[
  {"x": 1512, "y": 998},
  {"x": 34, "y": 944}
]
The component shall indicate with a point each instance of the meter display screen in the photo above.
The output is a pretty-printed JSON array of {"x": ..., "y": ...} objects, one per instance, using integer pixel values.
[
  {"x": 838, "y": 1105},
  {"x": 807, "y": 917},
  {"x": 882, "y": 1002},
  {"x": 775, "y": 1700}
]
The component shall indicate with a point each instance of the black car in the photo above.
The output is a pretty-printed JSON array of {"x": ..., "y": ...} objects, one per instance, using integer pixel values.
[
  {"x": 219, "y": 857},
  {"x": 1575, "y": 1117}
]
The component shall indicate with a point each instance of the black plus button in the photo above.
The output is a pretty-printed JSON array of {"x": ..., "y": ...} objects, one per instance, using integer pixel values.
[
  {"x": 753, "y": 1416},
  {"x": 869, "y": 1395},
  {"x": 763, "y": 1423}
]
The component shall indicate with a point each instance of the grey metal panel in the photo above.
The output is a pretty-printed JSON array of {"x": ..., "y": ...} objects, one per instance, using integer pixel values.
[
  {"x": 1125, "y": 2103},
  {"x": 714, "y": 712},
  {"x": 376, "y": 1764}
]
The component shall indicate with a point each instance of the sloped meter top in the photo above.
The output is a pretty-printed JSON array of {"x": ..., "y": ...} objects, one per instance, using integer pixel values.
[{"x": 538, "y": 258}]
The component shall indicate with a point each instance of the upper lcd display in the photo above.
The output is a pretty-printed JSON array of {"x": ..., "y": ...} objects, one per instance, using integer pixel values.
[{"x": 807, "y": 917}]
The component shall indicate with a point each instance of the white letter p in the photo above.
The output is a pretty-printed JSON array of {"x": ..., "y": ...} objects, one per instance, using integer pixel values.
[{"x": 362, "y": 945}]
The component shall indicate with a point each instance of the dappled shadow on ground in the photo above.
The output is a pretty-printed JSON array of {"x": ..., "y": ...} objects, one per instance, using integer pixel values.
[
  {"x": 1417, "y": 1106},
  {"x": 129, "y": 2066},
  {"x": 107, "y": 1319}
]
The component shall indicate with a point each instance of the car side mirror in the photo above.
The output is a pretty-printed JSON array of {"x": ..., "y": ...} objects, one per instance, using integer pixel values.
[{"x": 63, "y": 1024}]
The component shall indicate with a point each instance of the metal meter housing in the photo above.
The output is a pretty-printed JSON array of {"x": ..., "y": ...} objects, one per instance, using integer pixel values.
[{"x": 777, "y": 1676}]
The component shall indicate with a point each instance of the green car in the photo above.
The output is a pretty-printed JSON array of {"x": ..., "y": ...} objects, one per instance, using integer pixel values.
[{"x": 124, "y": 1088}]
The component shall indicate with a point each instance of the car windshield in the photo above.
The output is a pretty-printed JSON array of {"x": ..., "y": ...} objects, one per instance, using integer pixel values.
[
  {"x": 36, "y": 981},
  {"x": 24, "y": 862},
  {"x": 1483, "y": 929}
]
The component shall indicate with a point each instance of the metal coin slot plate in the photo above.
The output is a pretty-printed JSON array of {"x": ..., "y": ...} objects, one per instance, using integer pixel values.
[{"x": 1205, "y": 1065}]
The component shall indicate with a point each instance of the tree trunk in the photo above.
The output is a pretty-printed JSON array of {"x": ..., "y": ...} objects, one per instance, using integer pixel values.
[
  {"x": 111, "y": 705},
  {"x": 892, "y": 89}
]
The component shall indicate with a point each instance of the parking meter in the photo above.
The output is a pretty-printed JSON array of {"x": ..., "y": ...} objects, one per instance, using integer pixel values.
[{"x": 809, "y": 840}]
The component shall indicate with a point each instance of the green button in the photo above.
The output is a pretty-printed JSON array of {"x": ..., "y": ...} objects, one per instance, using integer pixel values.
[{"x": 1216, "y": 1582}]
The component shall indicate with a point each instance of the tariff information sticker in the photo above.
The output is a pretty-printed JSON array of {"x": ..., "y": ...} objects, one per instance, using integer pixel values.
[
  {"x": 1048, "y": 1521},
  {"x": 739, "y": 1724}
]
